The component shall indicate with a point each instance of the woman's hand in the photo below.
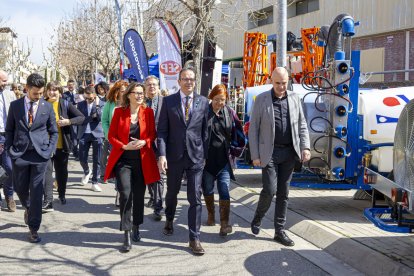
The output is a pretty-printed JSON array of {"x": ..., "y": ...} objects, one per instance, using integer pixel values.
[
  {"x": 135, "y": 144},
  {"x": 63, "y": 122},
  {"x": 139, "y": 143}
]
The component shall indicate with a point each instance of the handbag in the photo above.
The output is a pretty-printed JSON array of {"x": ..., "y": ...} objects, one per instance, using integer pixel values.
[{"x": 238, "y": 139}]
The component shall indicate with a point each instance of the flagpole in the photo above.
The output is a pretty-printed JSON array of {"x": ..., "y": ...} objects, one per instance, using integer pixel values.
[{"x": 121, "y": 52}]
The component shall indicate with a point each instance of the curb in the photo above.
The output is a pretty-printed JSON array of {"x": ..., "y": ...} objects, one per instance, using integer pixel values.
[{"x": 363, "y": 258}]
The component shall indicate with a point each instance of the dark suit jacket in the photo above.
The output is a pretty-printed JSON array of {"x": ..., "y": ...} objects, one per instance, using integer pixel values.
[
  {"x": 43, "y": 134},
  {"x": 156, "y": 107},
  {"x": 68, "y": 111},
  {"x": 94, "y": 119},
  {"x": 174, "y": 135},
  {"x": 69, "y": 97}
]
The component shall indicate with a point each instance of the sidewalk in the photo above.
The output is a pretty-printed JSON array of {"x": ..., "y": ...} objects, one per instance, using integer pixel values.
[
  {"x": 82, "y": 237},
  {"x": 333, "y": 221}
]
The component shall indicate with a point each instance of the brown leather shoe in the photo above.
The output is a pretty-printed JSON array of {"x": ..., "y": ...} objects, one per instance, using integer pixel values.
[
  {"x": 196, "y": 247},
  {"x": 34, "y": 236},
  {"x": 11, "y": 204},
  {"x": 168, "y": 228}
]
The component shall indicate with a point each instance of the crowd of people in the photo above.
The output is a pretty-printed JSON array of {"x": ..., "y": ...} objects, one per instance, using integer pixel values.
[{"x": 141, "y": 137}]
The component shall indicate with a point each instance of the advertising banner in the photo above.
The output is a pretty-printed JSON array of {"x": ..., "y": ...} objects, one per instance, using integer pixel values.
[
  {"x": 169, "y": 55},
  {"x": 136, "y": 53}
]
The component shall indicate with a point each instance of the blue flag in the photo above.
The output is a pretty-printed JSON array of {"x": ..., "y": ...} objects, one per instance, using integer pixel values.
[{"x": 136, "y": 53}]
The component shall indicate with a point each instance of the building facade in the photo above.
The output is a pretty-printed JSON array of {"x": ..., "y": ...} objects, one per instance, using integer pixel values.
[{"x": 13, "y": 59}]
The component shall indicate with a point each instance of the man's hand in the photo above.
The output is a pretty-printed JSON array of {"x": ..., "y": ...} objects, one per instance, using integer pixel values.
[
  {"x": 162, "y": 164},
  {"x": 306, "y": 155},
  {"x": 256, "y": 163}
]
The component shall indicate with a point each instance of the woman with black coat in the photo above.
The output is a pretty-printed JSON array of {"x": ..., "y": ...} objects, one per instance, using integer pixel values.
[{"x": 66, "y": 115}]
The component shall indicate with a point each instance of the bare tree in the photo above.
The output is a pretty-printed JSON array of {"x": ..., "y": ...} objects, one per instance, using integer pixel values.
[{"x": 87, "y": 36}]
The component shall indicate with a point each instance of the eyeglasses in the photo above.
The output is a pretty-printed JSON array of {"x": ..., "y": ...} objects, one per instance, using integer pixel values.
[
  {"x": 188, "y": 79},
  {"x": 137, "y": 93}
]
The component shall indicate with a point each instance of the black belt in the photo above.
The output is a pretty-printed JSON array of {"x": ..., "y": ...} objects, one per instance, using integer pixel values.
[
  {"x": 282, "y": 146},
  {"x": 2, "y": 133}
]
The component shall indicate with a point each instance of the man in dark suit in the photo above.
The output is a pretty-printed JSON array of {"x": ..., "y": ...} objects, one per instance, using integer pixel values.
[
  {"x": 31, "y": 137},
  {"x": 182, "y": 142},
  {"x": 91, "y": 133},
  {"x": 71, "y": 96},
  {"x": 154, "y": 100}
]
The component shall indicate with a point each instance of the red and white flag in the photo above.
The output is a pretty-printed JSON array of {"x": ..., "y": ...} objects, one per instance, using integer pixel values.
[{"x": 169, "y": 55}]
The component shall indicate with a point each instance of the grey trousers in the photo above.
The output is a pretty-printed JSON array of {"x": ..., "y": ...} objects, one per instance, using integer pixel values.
[{"x": 276, "y": 177}]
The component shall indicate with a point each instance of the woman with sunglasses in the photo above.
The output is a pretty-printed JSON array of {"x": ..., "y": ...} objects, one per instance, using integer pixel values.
[{"x": 132, "y": 160}]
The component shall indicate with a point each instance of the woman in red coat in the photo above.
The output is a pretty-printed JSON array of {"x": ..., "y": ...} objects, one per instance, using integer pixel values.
[{"x": 132, "y": 160}]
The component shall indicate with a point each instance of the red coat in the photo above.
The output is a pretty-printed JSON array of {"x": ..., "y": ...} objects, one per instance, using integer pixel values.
[{"x": 118, "y": 135}]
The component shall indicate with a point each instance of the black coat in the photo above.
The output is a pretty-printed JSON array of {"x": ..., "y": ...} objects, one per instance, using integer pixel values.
[{"x": 68, "y": 111}]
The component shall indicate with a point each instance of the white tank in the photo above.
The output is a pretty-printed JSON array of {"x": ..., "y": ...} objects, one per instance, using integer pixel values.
[{"x": 381, "y": 109}]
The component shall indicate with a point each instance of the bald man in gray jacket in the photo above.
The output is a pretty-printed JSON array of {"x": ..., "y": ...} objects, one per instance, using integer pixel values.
[{"x": 278, "y": 136}]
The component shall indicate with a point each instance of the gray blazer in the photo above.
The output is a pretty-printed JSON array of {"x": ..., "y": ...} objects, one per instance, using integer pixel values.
[
  {"x": 9, "y": 96},
  {"x": 262, "y": 127}
]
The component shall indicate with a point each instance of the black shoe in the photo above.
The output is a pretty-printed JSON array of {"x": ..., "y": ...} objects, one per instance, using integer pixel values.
[
  {"x": 135, "y": 234},
  {"x": 126, "y": 247},
  {"x": 150, "y": 203},
  {"x": 47, "y": 207},
  {"x": 62, "y": 200},
  {"x": 282, "y": 238},
  {"x": 34, "y": 237},
  {"x": 168, "y": 228},
  {"x": 255, "y": 225},
  {"x": 157, "y": 215}
]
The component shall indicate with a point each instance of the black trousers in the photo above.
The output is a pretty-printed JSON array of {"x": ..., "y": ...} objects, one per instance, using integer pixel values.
[
  {"x": 106, "y": 149},
  {"x": 131, "y": 188},
  {"x": 276, "y": 178},
  {"x": 156, "y": 191},
  {"x": 194, "y": 172},
  {"x": 60, "y": 162},
  {"x": 28, "y": 173}
]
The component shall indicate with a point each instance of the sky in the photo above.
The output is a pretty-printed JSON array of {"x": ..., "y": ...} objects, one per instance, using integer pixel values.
[{"x": 34, "y": 20}]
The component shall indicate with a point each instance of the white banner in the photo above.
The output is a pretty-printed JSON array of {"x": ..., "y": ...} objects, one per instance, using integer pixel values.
[{"x": 169, "y": 55}]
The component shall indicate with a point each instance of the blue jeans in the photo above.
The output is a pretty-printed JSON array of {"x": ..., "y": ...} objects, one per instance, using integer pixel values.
[
  {"x": 5, "y": 162},
  {"x": 223, "y": 183},
  {"x": 84, "y": 144}
]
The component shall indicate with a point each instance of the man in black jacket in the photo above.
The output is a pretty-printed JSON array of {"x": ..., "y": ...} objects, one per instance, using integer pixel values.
[{"x": 90, "y": 133}]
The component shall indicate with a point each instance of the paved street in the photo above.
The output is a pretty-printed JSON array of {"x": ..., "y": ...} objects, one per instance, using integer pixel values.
[{"x": 83, "y": 237}]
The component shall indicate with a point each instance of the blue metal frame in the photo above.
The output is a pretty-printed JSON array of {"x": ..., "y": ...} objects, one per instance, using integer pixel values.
[
  {"x": 351, "y": 165},
  {"x": 384, "y": 224}
]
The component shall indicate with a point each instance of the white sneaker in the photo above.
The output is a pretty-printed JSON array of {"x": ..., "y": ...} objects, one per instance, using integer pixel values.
[
  {"x": 96, "y": 188},
  {"x": 85, "y": 178}
]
